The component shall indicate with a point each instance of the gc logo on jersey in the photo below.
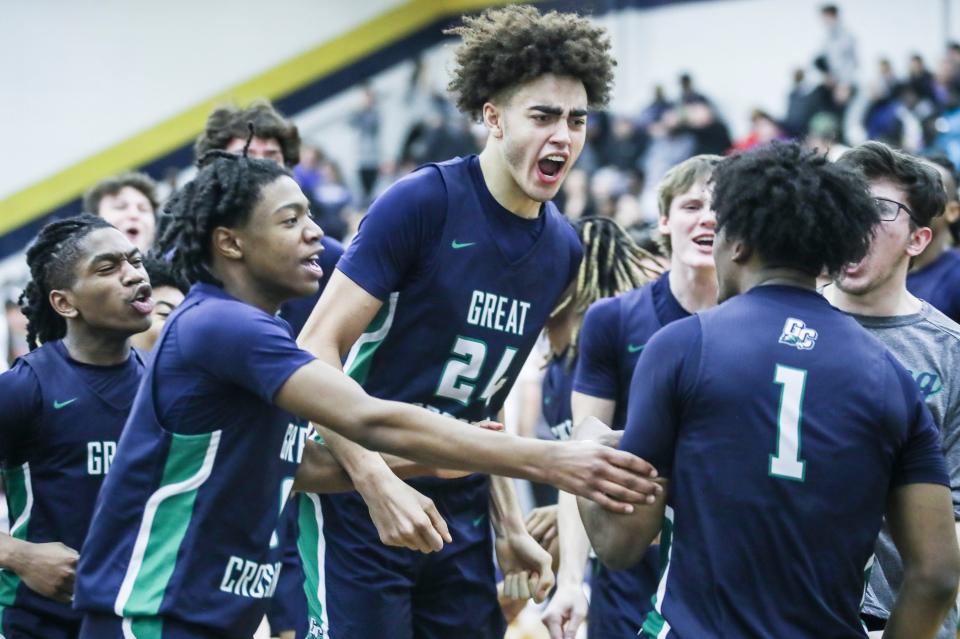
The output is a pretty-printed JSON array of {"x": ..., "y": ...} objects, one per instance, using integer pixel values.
[{"x": 796, "y": 334}]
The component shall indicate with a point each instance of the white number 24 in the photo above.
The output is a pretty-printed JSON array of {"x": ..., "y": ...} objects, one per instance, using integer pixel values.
[{"x": 459, "y": 376}]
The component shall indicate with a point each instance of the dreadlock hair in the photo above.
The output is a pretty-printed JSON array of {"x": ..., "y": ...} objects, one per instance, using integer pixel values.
[
  {"x": 511, "y": 46},
  {"x": 51, "y": 259},
  {"x": 161, "y": 273},
  {"x": 224, "y": 193},
  {"x": 612, "y": 264},
  {"x": 794, "y": 208}
]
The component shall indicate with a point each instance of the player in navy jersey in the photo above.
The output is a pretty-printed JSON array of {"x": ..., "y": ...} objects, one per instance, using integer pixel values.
[
  {"x": 185, "y": 539},
  {"x": 276, "y": 138},
  {"x": 438, "y": 301},
  {"x": 769, "y": 445},
  {"x": 614, "y": 334},
  {"x": 935, "y": 274},
  {"x": 62, "y": 409}
]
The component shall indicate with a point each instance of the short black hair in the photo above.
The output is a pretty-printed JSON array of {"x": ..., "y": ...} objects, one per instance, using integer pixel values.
[
  {"x": 52, "y": 257},
  {"x": 921, "y": 183},
  {"x": 224, "y": 193},
  {"x": 794, "y": 208},
  {"x": 161, "y": 273},
  {"x": 830, "y": 10}
]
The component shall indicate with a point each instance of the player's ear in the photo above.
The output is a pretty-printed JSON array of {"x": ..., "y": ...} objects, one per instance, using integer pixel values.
[
  {"x": 952, "y": 213},
  {"x": 920, "y": 237},
  {"x": 227, "y": 243},
  {"x": 740, "y": 252},
  {"x": 492, "y": 119},
  {"x": 64, "y": 303}
]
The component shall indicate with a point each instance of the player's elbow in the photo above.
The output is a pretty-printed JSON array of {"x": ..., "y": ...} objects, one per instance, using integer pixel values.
[{"x": 935, "y": 578}]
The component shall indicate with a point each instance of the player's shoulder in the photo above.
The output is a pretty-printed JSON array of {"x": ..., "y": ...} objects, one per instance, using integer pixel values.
[
  {"x": 941, "y": 324},
  {"x": 603, "y": 311},
  {"x": 423, "y": 185},
  {"x": 209, "y": 315},
  {"x": 20, "y": 378}
]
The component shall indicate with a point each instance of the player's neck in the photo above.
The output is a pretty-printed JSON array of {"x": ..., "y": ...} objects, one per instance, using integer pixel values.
[
  {"x": 694, "y": 288},
  {"x": 241, "y": 285},
  {"x": 503, "y": 187},
  {"x": 778, "y": 276},
  {"x": 938, "y": 246},
  {"x": 890, "y": 299},
  {"x": 96, "y": 347}
]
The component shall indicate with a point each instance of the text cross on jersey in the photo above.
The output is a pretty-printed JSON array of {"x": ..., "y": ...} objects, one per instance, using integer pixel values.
[{"x": 795, "y": 333}]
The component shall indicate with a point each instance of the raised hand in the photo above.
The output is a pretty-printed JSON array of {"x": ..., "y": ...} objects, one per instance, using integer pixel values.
[{"x": 612, "y": 478}]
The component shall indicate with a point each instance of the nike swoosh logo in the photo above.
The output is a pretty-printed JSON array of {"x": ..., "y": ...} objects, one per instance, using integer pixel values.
[
  {"x": 459, "y": 245},
  {"x": 634, "y": 348},
  {"x": 479, "y": 520},
  {"x": 58, "y": 405}
]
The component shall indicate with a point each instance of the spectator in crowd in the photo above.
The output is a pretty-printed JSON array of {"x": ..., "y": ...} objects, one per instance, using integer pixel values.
[
  {"x": 935, "y": 274},
  {"x": 910, "y": 196},
  {"x": 366, "y": 122},
  {"x": 839, "y": 50},
  {"x": 129, "y": 202}
]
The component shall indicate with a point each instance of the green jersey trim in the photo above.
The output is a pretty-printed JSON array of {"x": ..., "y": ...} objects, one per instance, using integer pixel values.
[
  {"x": 655, "y": 626},
  {"x": 142, "y": 628},
  {"x": 164, "y": 525},
  {"x": 313, "y": 550},
  {"x": 360, "y": 357},
  {"x": 19, "y": 506}
]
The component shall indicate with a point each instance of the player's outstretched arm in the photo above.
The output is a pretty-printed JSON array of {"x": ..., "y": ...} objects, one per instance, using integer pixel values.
[
  {"x": 568, "y": 607},
  {"x": 619, "y": 539},
  {"x": 48, "y": 569},
  {"x": 921, "y": 523},
  {"x": 613, "y": 478},
  {"x": 403, "y": 517}
]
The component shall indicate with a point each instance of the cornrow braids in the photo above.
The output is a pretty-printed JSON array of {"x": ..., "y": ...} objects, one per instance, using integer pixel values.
[
  {"x": 612, "y": 264},
  {"x": 223, "y": 193},
  {"x": 51, "y": 259}
]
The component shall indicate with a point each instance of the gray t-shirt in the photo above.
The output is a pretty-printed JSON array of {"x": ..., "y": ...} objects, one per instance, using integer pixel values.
[{"x": 928, "y": 345}]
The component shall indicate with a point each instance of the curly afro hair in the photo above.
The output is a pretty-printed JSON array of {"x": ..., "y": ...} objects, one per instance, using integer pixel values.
[
  {"x": 794, "y": 208},
  {"x": 511, "y": 46}
]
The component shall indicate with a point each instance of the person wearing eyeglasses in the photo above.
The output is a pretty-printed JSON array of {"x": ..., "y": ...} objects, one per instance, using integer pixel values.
[{"x": 910, "y": 195}]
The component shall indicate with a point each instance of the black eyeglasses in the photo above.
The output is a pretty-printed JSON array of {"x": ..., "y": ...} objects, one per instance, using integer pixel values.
[{"x": 890, "y": 209}]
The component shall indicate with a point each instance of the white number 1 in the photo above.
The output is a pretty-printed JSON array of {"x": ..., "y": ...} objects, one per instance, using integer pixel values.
[{"x": 787, "y": 463}]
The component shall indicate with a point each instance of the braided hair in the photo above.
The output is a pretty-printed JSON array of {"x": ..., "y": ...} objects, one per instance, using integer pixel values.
[
  {"x": 612, "y": 264},
  {"x": 51, "y": 259},
  {"x": 223, "y": 193}
]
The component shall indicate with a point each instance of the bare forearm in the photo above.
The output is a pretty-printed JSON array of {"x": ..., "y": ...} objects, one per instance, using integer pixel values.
[
  {"x": 920, "y": 609},
  {"x": 11, "y": 553},
  {"x": 505, "y": 513},
  {"x": 409, "y": 431},
  {"x": 574, "y": 544},
  {"x": 319, "y": 472},
  {"x": 618, "y": 540}
]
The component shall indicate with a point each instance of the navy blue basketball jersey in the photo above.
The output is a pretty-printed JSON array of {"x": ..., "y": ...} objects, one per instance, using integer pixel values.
[
  {"x": 555, "y": 396},
  {"x": 614, "y": 334},
  {"x": 939, "y": 284},
  {"x": 56, "y": 451},
  {"x": 615, "y": 331},
  {"x": 462, "y": 309},
  {"x": 781, "y": 456},
  {"x": 186, "y": 526}
]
